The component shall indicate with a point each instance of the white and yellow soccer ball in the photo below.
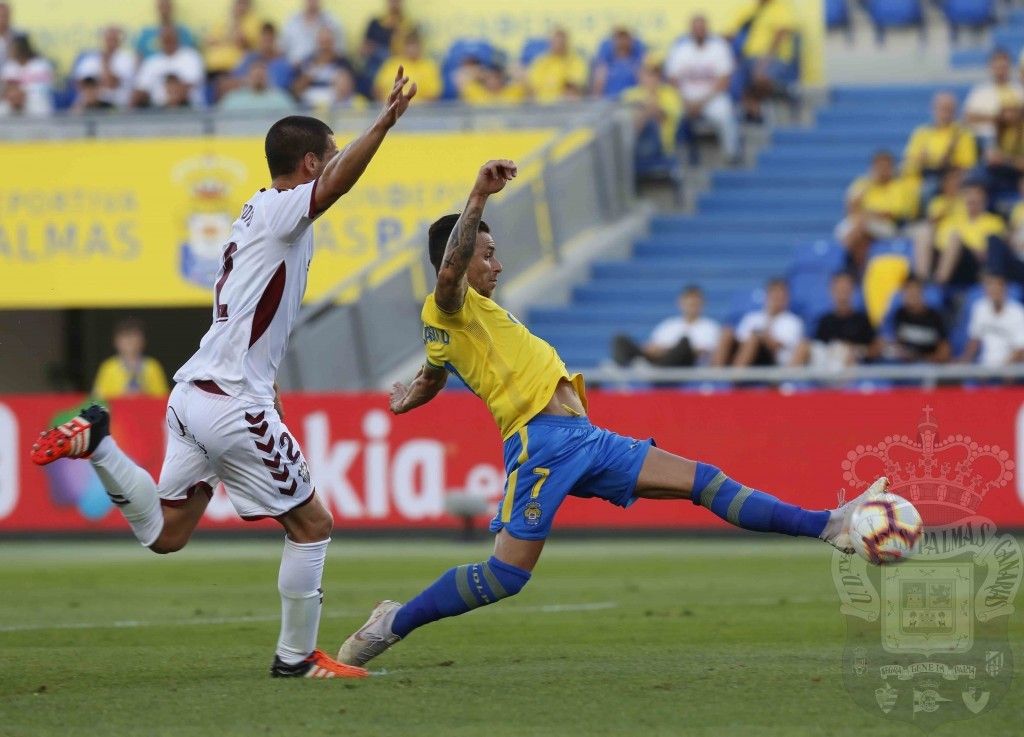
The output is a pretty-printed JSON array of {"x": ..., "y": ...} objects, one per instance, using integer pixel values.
[{"x": 885, "y": 529}]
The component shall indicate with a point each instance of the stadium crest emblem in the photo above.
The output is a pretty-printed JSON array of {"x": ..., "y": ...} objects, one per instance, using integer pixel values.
[
  {"x": 532, "y": 514},
  {"x": 927, "y": 639},
  {"x": 210, "y": 180}
]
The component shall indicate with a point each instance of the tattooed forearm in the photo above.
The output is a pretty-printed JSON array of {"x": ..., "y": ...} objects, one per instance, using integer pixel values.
[{"x": 462, "y": 241}]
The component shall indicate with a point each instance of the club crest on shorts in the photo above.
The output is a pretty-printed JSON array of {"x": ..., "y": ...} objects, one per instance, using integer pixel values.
[
  {"x": 927, "y": 638},
  {"x": 532, "y": 514}
]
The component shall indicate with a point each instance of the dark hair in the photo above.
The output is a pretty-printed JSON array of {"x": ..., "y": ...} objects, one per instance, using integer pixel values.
[
  {"x": 691, "y": 289},
  {"x": 912, "y": 280},
  {"x": 291, "y": 138},
  {"x": 439, "y": 233},
  {"x": 268, "y": 27},
  {"x": 883, "y": 154},
  {"x": 999, "y": 52},
  {"x": 129, "y": 325},
  {"x": 844, "y": 273},
  {"x": 777, "y": 281}
]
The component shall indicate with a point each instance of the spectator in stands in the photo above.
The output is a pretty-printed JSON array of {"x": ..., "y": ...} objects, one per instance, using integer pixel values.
[
  {"x": 767, "y": 337},
  {"x": 657, "y": 111},
  {"x": 962, "y": 243},
  {"x": 231, "y": 40},
  {"x": 487, "y": 84},
  {"x": 987, "y": 99},
  {"x": 942, "y": 212},
  {"x": 701, "y": 67},
  {"x": 6, "y": 31},
  {"x": 618, "y": 68},
  {"x": 13, "y": 101},
  {"x": 996, "y": 327},
  {"x": 1005, "y": 256},
  {"x": 280, "y": 73},
  {"x": 935, "y": 148},
  {"x": 302, "y": 30},
  {"x": 164, "y": 75},
  {"x": 111, "y": 67},
  {"x": 764, "y": 35},
  {"x": 1004, "y": 158},
  {"x": 129, "y": 371},
  {"x": 90, "y": 97},
  {"x": 418, "y": 67},
  {"x": 918, "y": 332},
  {"x": 149, "y": 42},
  {"x": 384, "y": 32},
  {"x": 258, "y": 93},
  {"x": 559, "y": 73},
  {"x": 876, "y": 206},
  {"x": 687, "y": 339},
  {"x": 32, "y": 74},
  {"x": 844, "y": 336},
  {"x": 315, "y": 82}
]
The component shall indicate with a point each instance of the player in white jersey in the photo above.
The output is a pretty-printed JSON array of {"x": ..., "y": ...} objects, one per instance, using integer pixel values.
[{"x": 223, "y": 416}]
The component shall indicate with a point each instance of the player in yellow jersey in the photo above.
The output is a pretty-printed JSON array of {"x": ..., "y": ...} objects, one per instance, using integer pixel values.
[{"x": 551, "y": 448}]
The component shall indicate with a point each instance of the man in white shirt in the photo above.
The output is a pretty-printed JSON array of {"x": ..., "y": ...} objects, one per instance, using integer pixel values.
[
  {"x": 701, "y": 66},
  {"x": 182, "y": 63},
  {"x": 987, "y": 99},
  {"x": 298, "y": 39},
  {"x": 112, "y": 66},
  {"x": 997, "y": 326},
  {"x": 769, "y": 337},
  {"x": 687, "y": 339},
  {"x": 31, "y": 74}
]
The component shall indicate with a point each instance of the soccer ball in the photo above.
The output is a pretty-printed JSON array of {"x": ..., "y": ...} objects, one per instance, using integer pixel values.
[{"x": 885, "y": 529}]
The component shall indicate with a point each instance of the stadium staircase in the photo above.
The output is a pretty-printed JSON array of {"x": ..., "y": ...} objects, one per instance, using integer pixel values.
[{"x": 751, "y": 224}]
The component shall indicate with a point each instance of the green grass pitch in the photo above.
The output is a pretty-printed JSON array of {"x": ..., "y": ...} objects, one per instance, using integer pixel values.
[{"x": 738, "y": 636}]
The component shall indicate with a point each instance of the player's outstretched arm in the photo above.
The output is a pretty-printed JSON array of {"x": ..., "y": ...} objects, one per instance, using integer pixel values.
[
  {"x": 450, "y": 291},
  {"x": 428, "y": 382},
  {"x": 343, "y": 171}
]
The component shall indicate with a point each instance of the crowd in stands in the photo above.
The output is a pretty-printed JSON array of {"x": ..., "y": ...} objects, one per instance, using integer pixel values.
[{"x": 248, "y": 63}]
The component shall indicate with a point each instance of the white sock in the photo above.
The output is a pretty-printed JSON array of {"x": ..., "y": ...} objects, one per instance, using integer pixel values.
[
  {"x": 302, "y": 570},
  {"x": 131, "y": 489}
]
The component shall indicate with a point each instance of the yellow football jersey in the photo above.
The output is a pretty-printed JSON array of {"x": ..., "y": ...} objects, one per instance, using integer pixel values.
[
  {"x": 506, "y": 365},
  {"x": 114, "y": 379}
]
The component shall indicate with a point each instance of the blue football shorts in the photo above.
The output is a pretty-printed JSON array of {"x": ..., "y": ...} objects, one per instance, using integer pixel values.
[{"x": 554, "y": 457}]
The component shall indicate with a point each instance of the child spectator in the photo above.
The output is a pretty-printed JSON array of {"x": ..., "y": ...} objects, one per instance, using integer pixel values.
[
  {"x": 559, "y": 73},
  {"x": 32, "y": 75},
  {"x": 996, "y": 327},
  {"x": 90, "y": 98},
  {"x": 111, "y": 66},
  {"x": 129, "y": 371}
]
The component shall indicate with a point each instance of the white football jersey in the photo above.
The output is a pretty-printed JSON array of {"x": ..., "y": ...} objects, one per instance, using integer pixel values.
[{"x": 258, "y": 293}]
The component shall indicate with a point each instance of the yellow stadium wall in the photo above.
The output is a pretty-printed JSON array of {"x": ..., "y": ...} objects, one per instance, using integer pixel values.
[
  {"x": 63, "y": 27},
  {"x": 105, "y": 224}
]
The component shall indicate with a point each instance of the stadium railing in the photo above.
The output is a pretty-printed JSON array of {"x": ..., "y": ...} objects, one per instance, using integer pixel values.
[{"x": 368, "y": 324}]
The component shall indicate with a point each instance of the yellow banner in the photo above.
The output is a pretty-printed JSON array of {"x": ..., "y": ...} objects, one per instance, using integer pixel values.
[
  {"x": 64, "y": 27},
  {"x": 143, "y": 223}
]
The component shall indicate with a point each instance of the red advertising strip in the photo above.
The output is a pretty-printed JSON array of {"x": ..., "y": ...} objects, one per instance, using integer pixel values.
[{"x": 955, "y": 449}]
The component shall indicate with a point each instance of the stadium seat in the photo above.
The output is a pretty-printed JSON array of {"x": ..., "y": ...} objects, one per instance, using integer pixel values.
[
  {"x": 458, "y": 53},
  {"x": 821, "y": 257},
  {"x": 883, "y": 277},
  {"x": 886, "y": 14},
  {"x": 532, "y": 48},
  {"x": 1009, "y": 38},
  {"x": 972, "y": 13},
  {"x": 837, "y": 14},
  {"x": 619, "y": 77}
]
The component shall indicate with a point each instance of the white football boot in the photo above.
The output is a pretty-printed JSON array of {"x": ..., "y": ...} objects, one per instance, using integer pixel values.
[
  {"x": 837, "y": 529},
  {"x": 373, "y": 638}
]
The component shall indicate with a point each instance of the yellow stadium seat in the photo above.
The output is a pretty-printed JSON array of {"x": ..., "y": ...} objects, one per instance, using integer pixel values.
[{"x": 883, "y": 277}]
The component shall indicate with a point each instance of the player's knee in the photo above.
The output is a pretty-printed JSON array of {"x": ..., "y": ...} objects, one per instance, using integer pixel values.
[
  {"x": 510, "y": 579},
  {"x": 166, "y": 544}
]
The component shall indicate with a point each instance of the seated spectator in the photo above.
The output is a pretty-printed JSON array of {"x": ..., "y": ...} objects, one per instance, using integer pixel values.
[
  {"x": 129, "y": 371},
  {"x": 942, "y": 211},
  {"x": 346, "y": 94},
  {"x": 961, "y": 243},
  {"x": 280, "y": 73},
  {"x": 230, "y": 41},
  {"x": 935, "y": 148},
  {"x": 301, "y": 31},
  {"x": 619, "y": 69},
  {"x": 315, "y": 82},
  {"x": 384, "y": 33},
  {"x": 149, "y": 43},
  {"x": 687, "y": 339},
  {"x": 13, "y": 101},
  {"x": 701, "y": 67},
  {"x": 764, "y": 35},
  {"x": 657, "y": 111},
  {"x": 996, "y": 327},
  {"x": 90, "y": 97},
  {"x": 987, "y": 99},
  {"x": 258, "y": 93},
  {"x": 163, "y": 76},
  {"x": 1004, "y": 158},
  {"x": 487, "y": 84},
  {"x": 6, "y": 31},
  {"x": 918, "y": 332},
  {"x": 419, "y": 68},
  {"x": 557, "y": 74},
  {"x": 111, "y": 67},
  {"x": 844, "y": 336},
  {"x": 32, "y": 74},
  {"x": 1005, "y": 255},
  {"x": 876, "y": 206},
  {"x": 767, "y": 337}
]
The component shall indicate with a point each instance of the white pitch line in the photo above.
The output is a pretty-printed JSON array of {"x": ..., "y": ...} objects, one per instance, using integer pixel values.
[{"x": 213, "y": 621}]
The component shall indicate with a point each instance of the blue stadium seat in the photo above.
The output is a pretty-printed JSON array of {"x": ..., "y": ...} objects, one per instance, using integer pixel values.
[
  {"x": 972, "y": 13},
  {"x": 898, "y": 246},
  {"x": 457, "y": 54},
  {"x": 837, "y": 14},
  {"x": 532, "y": 48},
  {"x": 969, "y": 58},
  {"x": 887, "y": 14},
  {"x": 822, "y": 256},
  {"x": 1009, "y": 38},
  {"x": 621, "y": 76}
]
